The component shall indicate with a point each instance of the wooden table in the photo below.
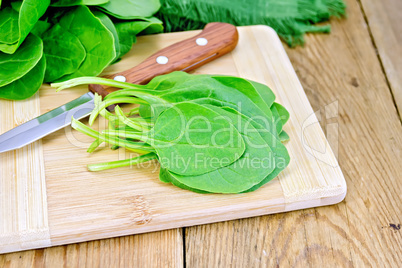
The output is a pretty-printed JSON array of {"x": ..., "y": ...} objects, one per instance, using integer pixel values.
[{"x": 359, "y": 65}]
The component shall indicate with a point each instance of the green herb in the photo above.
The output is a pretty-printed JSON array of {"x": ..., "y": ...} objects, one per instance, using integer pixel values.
[
  {"x": 99, "y": 44},
  {"x": 27, "y": 85},
  {"x": 128, "y": 30},
  {"x": 16, "y": 25},
  {"x": 64, "y": 53},
  {"x": 131, "y": 9},
  {"x": 250, "y": 169},
  {"x": 186, "y": 129},
  {"x": 68, "y": 3},
  {"x": 76, "y": 41},
  {"x": 291, "y": 19},
  {"x": 210, "y": 133},
  {"x": 15, "y": 66}
]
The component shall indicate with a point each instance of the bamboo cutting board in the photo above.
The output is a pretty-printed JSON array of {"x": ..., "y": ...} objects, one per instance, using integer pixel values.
[{"x": 47, "y": 197}]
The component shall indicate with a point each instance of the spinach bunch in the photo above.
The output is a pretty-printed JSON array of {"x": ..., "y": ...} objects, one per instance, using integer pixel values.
[
  {"x": 48, "y": 41},
  {"x": 210, "y": 133}
]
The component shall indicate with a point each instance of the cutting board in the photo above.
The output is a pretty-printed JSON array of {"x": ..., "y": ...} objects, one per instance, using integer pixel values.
[{"x": 47, "y": 196}]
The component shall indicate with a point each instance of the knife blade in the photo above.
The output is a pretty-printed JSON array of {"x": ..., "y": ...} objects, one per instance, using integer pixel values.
[{"x": 215, "y": 40}]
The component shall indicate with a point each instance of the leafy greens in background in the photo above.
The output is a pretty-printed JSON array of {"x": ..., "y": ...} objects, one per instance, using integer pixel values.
[
  {"x": 291, "y": 19},
  {"x": 16, "y": 24},
  {"x": 186, "y": 122},
  {"x": 48, "y": 41}
]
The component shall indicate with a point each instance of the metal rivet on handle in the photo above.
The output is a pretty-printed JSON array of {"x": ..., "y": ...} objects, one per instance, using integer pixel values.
[
  {"x": 162, "y": 59},
  {"x": 201, "y": 41},
  {"x": 120, "y": 78}
]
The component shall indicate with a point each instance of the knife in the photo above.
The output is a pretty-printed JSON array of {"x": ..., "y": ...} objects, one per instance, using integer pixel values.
[{"x": 215, "y": 40}]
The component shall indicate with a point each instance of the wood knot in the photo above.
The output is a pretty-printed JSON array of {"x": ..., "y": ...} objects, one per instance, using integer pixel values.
[
  {"x": 140, "y": 209},
  {"x": 354, "y": 82}
]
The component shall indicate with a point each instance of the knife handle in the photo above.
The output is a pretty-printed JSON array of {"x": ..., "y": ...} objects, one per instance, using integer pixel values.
[{"x": 215, "y": 40}]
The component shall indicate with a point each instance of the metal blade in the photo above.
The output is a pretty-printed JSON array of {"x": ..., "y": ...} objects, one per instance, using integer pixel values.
[{"x": 47, "y": 123}]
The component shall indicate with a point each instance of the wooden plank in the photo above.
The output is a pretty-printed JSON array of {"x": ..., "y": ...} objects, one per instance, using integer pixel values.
[
  {"x": 385, "y": 25},
  {"x": 338, "y": 68},
  {"x": 158, "y": 249}
]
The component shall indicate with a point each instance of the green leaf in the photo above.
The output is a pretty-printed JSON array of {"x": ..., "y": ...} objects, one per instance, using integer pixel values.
[
  {"x": 17, "y": 25},
  {"x": 15, "y": 66},
  {"x": 27, "y": 85},
  {"x": 283, "y": 113},
  {"x": 131, "y": 9},
  {"x": 64, "y": 53},
  {"x": 196, "y": 134},
  {"x": 281, "y": 160},
  {"x": 265, "y": 92},
  {"x": 283, "y": 136},
  {"x": 68, "y": 3},
  {"x": 251, "y": 168},
  {"x": 243, "y": 103},
  {"x": 127, "y": 31},
  {"x": 165, "y": 176},
  {"x": 281, "y": 154},
  {"x": 8, "y": 22},
  {"x": 40, "y": 27},
  {"x": 107, "y": 22},
  {"x": 97, "y": 40}
]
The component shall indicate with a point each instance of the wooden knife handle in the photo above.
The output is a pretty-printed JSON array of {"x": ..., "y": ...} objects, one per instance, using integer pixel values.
[{"x": 214, "y": 41}]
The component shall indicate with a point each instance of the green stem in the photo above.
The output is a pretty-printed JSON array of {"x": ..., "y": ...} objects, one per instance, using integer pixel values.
[
  {"x": 119, "y": 112},
  {"x": 93, "y": 80},
  {"x": 127, "y": 134},
  {"x": 95, "y": 144},
  {"x": 99, "y": 107},
  {"x": 122, "y": 163},
  {"x": 134, "y": 111},
  {"x": 139, "y": 147}
]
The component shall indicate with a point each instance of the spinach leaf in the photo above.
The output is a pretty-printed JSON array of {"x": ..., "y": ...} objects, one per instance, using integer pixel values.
[
  {"x": 281, "y": 158},
  {"x": 64, "y": 53},
  {"x": 131, "y": 9},
  {"x": 265, "y": 92},
  {"x": 8, "y": 21},
  {"x": 203, "y": 89},
  {"x": 192, "y": 132},
  {"x": 40, "y": 27},
  {"x": 68, "y": 3},
  {"x": 107, "y": 22},
  {"x": 15, "y": 66},
  {"x": 97, "y": 40},
  {"x": 17, "y": 25},
  {"x": 27, "y": 85},
  {"x": 281, "y": 116},
  {"x": 236, "y": 100},
  {"x": 283, "y": 136},
  {"x": 282, "y": 112},
  {"x": 191, "y": 139},
  {"x": 281, "y": 154},
  {"x": 251, "y": 168},
  {"x": 127, "y": 31},
  {"x": 165, "y": 176}
]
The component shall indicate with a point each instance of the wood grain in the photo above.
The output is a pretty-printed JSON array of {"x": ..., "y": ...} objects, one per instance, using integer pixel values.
[
  {"x": 158, "y": 249},
  {"x": 23, "y": 199},
  {"x": 341, "y": 67},
  {"x": 84, "y": 206},
  {"x": 385, "y": 25}
]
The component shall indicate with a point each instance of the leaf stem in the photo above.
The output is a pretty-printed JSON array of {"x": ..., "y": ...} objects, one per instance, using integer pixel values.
[
  {"x": 93, "y": 80},
  {"x": 138, "y": 147},
  {"x": 122, "y": 163}
]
